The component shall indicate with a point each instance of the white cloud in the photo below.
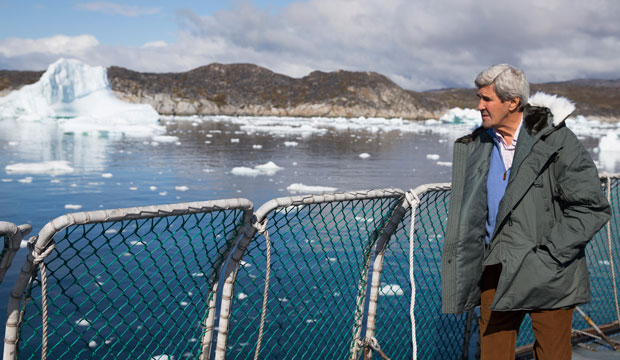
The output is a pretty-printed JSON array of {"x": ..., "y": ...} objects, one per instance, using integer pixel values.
[
  {"x": 55, "y": 45},
  {"x": 116, "y": 9},
  {"x": 155, "y": 44},
  {"x": 419, "y": 44}
]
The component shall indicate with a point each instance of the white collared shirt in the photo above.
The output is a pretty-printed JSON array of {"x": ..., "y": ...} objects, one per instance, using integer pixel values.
[{"x": 507, "y": 151}]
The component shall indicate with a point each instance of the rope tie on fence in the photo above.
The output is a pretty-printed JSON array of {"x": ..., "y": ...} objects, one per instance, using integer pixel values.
[
  {"x": 262, "y": 229},
  {"x": 373, "y": 343},
  {"x": 414, "y": 200},
  {"x": 611, "y": 258},
  {"x": 38, "y": 260}
]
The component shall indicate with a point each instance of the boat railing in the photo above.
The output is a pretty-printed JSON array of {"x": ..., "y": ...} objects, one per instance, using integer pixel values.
[{"x": 316, "y": 276}]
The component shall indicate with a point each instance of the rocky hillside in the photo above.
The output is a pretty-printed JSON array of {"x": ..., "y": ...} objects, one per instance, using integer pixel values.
[{"x": 246, "y": 89}]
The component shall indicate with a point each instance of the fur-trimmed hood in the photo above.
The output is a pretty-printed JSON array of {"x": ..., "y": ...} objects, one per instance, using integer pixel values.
[{"x": 560, "y": 107}]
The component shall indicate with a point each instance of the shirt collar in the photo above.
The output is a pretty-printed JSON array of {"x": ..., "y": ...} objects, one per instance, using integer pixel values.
[{"x": 497, "y": 137}]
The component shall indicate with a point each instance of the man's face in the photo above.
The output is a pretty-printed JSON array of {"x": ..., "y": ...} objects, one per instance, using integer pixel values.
[{"x": 494, "y": 111}]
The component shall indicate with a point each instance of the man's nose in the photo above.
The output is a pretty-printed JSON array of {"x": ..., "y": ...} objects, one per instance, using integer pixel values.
[{"x": 481, "y": 105}]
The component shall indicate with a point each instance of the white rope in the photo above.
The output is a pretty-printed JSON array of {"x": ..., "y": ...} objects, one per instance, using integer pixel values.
[
  {"x": 611, "y": 258},
  {"x": 414, "y": 200},
  {"x": 262, "y": 229},
  {"x": 38, "y": 260}
]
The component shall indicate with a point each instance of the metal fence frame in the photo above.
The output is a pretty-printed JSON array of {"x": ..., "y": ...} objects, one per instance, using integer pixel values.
[{"x": 42, "y": 242}]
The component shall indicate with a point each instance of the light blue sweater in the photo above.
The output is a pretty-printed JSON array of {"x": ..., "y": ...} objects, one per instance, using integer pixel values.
[{"x": 496, "y": 187}]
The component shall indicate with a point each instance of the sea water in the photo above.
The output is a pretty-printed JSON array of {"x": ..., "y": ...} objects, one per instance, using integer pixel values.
[{"x": 47, "y": 170}]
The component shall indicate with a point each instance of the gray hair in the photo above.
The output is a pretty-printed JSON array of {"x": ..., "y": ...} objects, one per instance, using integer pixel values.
[{"x": 509, "y": 83}]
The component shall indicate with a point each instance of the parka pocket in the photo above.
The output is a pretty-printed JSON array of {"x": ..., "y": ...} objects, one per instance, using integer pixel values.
[{"x": 545, "y": 256}]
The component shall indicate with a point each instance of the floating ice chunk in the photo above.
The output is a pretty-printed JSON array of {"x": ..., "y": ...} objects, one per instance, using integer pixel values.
[
  {"x": 432, "y": 156},
  {"x": 7, "y": 180},
  {"x": 46, "y": 167},
  {"x": 183, "y": 303},
  {"x": 154, "y": 143},
  {"x": 234, "y": 140},
  {"x": 92, "y": 344},
  {"x": 162, "y": 357},
  {"x": 391, "y": 290},
  {"x": 291, "y": 143},
  {"x": 609, "y": 151},
  {"x": 244, "y": 171},
  {"x": 364, "y": 155},
  {"x": 110, "y": 340},
  {"x": 301, "y": 188},
  {"x": 198, "y": 274},
  {"x": 133, "y": 188},
  {"x": 604, "y": 262},
  {"x": 152, "y": 188},
  {"x": 73, "y": 206},
  {"x": 80, "y": 99},
  {"x": 241, "y": 296},
  {"x": 181, "y": 188},
  {"x": 461, "y": 116},
  {"x": 208, "y": 170},
  {"x": 165, "y": 138},
  {"x": 106, "y": 175},
  {"x": 444, "y": 163},
  {"x": 257, "y": 147},
  {"x": 13, "y": 143},
  {"x": 269, "y": 168},
  {"x": 82, "y": 322},
  {"x": 26, "y": 180},
  {"x": 137, "y": 243},
  {"x": 111, "y": 231},
  {"x": 244, "y": 264}
]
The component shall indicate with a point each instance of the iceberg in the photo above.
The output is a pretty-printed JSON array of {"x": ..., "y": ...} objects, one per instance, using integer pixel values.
[{"x": 79, "y": 98}]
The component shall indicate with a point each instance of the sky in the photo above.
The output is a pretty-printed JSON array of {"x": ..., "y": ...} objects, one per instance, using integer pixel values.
[{"x": 419, "y": 44}]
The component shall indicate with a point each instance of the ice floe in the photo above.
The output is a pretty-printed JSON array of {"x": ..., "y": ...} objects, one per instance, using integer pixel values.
[
  {"x": 45, "y": 167},
  {"x": 269, "y": 169},
  {"x": 78, "y": 97},
  {"x": 73, "y": 206},
  {"x": 364, "y": 155},
  {"x": 609, "y": 151},
  {"x": 432, "y": 156},
  {"x": 391, "y": 290},
  {"x": 309, "y": 189}
]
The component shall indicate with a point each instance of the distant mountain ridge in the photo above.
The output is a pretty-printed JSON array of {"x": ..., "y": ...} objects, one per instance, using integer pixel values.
[{"x": 247, "y": 89}]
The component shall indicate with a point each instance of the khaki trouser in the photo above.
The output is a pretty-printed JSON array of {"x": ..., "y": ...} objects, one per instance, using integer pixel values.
[{"x": 499, "y": 329}]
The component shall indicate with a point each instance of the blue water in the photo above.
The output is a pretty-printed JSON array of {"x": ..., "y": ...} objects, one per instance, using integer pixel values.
[{"x": 145, "y": 173}]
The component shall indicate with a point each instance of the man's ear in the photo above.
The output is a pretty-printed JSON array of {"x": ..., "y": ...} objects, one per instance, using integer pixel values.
[{"x": 514, "y": 104}]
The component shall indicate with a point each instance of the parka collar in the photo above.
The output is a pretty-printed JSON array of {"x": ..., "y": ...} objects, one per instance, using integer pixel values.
[{"x": 546, "y": 112}]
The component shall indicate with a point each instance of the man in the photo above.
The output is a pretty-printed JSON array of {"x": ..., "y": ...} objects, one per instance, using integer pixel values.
[{"x": 526, "y": 199}]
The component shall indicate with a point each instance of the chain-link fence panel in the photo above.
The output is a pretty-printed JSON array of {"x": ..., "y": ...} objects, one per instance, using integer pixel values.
[
  {"x": 320, "y": 249},
  {"x": 438, "y": 336},
  {"x": 134, "y": 286}
]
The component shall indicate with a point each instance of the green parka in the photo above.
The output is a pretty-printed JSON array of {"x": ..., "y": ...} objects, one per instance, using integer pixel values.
[{"x": 552, "y": 207}]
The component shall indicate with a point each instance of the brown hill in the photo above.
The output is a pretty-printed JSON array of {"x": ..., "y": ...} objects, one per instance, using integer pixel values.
[{"x": 245, "y": 89}]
